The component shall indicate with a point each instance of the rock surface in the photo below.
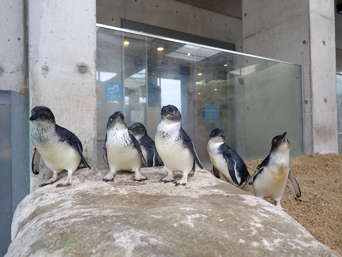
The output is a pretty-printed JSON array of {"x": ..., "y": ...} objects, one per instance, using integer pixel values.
[{"x": 208, "y": 217}]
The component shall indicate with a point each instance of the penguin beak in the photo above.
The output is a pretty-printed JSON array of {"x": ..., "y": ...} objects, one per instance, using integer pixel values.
[
  {"x": 34, "y": 117},
  {"x": 284, "y": 136}
]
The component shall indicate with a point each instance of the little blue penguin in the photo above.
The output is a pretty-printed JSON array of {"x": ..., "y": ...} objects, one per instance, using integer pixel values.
[
  {"x": 174, "y": 146},
  {"x": 148, "y": 147},
  {"x": 59, "y": 148},
  {"x": 122, "y": 151},
  {"x": 270, "y": 178},
  {"x": 226, "y": 162}
]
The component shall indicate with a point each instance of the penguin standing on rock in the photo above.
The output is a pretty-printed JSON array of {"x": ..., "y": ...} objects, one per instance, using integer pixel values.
[
  {"x": 59, "y": 148},
  {"x": 148, "y": 147},
  {"x": 174, "y": 146},
  {"x": 122, "y": 151},
  {"x": 226, "y": 162},
  {"x": 270, "y": 178}
]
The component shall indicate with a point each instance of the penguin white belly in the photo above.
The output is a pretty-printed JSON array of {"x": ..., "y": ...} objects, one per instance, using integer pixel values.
[
  {"x": 220, "y": 163},
  {"x": 123, "y": 158},
  {"x": 175, "y": 156},
  {"x": 59, "y": 156},
  {"x": 271, "y": 182}
]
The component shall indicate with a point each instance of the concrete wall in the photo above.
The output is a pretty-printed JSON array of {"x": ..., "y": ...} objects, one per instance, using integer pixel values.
[
  {"x": 12, "y": 46},
  {"x": 300, "y": 32},
  {"x": 62, "y": 52},
  {"x": 173, "y": 15}
]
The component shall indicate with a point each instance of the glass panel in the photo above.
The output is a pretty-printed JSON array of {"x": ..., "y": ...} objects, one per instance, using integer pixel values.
[
  {"x": 339, "y": 110},
  {"x": 250, "y": 98},
  {"x": 109, "y": 73}
]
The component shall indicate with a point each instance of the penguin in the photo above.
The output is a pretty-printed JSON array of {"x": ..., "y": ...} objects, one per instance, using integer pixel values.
[
  {"x": 122, "y": 151},
  {"x": 148, "y": 147},
  {"x": 59, "y": 148},
  {"x": 269, "y": 179},
  {"x": 226, "y": 162},
  {"x": 174, "y": 146}
]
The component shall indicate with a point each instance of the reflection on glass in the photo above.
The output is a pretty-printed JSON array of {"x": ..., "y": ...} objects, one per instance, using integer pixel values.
[
  {"x": 339, "y": 110},
  {"x": 251, "y": 99}
]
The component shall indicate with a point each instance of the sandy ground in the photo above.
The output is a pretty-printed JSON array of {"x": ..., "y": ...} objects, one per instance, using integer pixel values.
[{"x": 319, "y": 209}]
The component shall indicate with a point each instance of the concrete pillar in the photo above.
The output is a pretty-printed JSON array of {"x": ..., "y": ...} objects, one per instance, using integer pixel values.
[
  {"x": 12, "y": 46},
  {"x": 62, "y": 52},
  {"x": 300, "y": 32}
]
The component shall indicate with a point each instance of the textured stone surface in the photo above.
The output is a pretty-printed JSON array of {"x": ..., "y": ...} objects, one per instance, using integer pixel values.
[{"x": 208, "y": 217}]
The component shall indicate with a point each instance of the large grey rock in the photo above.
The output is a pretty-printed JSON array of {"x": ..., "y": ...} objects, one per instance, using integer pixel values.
[{"x": 208, "y": 217}]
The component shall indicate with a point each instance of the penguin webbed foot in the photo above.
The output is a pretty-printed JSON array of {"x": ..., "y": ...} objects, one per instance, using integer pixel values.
[
  {"x": 168, "y": 178},
  {"x": 109, "y": 177},
  {"x": 166, "y": 181},
  {"x": 63, "y": 184},
  {"x": 183, "y": 181},
  {"x": 45, "y": 184},
  {"x": 140, "y": 180},
  {"x": 139, "y": 177},
  {"x": 52, "y": 180},
  {"x": 178, "y": 183}
]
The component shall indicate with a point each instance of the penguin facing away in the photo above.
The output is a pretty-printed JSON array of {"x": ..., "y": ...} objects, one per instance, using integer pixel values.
[
  {"x": 270, "y": 178},
  {"x": 59, "y": 148},
  {"x": 226, "y": 162},
  {"x": 148, "y": 147},
  {"x": 174, "y": 146},
  {"x": 122, "y": 151}
]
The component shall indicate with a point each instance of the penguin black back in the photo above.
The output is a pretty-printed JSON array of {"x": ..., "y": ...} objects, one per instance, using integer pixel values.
[{"x": 233, "y": 168}]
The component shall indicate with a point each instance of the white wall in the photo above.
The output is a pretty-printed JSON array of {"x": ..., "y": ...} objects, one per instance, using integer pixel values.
[{"x": 62, "y": 52}]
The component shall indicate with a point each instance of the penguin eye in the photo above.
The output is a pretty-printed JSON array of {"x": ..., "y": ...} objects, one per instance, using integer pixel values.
[{"x": 111, "y": 119}]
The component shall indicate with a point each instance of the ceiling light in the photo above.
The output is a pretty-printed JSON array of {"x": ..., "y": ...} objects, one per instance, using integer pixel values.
[
  {"x": 126, "y": 43},
  {"x": 199, "y": 93},
  {"x": 215, "y": 89},
  {"x": 189, "y": 54},
  {"x": 160, "y": 49},
  {"x": 225, "y": 65},
  {"x": 199, "y": 74}
]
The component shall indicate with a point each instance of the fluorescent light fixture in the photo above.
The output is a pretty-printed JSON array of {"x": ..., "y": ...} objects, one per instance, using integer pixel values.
[
  {"x": 160, "y": 49},
  {"x": 199, "y": 74},
  {"x": 126, "y": 43}
]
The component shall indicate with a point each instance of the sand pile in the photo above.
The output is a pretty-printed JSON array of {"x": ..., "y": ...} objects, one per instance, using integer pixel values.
[{"x": 319, "y": 209}]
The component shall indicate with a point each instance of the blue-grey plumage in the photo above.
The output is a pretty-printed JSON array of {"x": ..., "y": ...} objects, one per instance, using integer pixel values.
[
  {"x": 148, "y": 146},
  {"x": 269, "y": 181},
  {"x": 226, "y": 162},
  {"x": 174, "y": 146},
  {"x": 59, "y": 148},
  {"x": 122, "y": 151}
]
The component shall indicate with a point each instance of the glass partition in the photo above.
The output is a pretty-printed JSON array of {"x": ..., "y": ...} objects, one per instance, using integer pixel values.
[
  {"x": 252, "y": 99},
  {"x": 339, "y": 110}
]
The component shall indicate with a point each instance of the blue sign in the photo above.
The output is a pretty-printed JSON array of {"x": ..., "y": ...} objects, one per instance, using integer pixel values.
[
  {"x": 211, "y": 113},
  {"x": 113, "y": 91}
]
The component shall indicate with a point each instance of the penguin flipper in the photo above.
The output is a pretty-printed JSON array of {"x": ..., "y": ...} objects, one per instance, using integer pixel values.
[
  {"x": 35, "y": 162},
  {"x": 190, "y": 145},
  {"x": 216, "y": 172},
  {"x": 137, "y": 146},
  {"x": 78, "y": 149},
  {"x": 105, "y": 157},
  {"x": 294, "y": 184},
  {"x": 149, "y": 156},
  {"x": 231, "y": 164},
  {"x": 73, "y": 141}
]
